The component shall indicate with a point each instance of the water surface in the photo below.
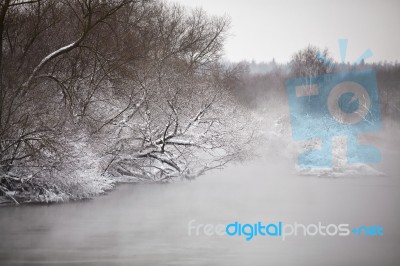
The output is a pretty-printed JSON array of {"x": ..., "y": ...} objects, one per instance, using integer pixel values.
[{"x": 148, "y": 224}]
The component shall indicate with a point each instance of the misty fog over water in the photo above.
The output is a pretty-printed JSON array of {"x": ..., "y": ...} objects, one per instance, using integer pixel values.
[{"x": 147, "y": 224}]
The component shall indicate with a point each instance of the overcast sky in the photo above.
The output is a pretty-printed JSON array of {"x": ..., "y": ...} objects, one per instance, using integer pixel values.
[{"x": 266, "y": 29}]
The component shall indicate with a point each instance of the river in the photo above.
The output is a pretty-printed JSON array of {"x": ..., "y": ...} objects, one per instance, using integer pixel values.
[{"x": 145, "y": 224}]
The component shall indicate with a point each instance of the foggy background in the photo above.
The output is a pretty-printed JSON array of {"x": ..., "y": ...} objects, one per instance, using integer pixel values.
[{"x": 263, "y": 30}]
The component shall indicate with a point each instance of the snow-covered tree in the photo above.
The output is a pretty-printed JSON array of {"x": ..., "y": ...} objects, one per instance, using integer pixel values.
[{"x": 113, "y": 88}]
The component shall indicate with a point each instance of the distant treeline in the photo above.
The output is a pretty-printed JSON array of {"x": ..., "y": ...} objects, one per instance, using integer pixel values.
[{"x": 262, "y": 85}]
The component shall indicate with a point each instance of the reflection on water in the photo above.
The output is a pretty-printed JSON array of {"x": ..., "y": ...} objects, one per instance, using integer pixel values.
[{"x": 148, "y": 224}]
